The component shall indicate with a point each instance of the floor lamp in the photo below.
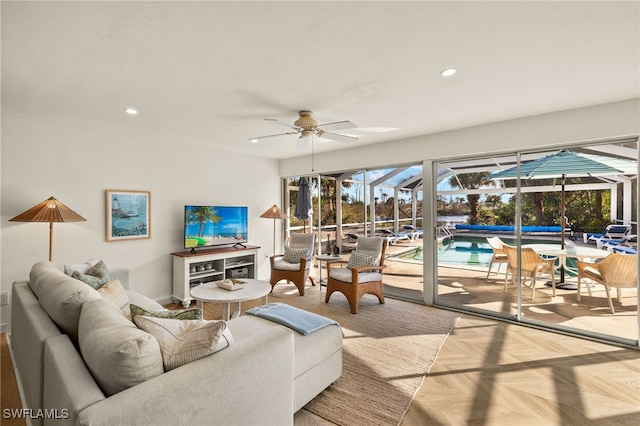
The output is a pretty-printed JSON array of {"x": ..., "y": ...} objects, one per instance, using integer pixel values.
[
  {"x": 50, "y": 210},
  {"x": 274, "y": 213}
]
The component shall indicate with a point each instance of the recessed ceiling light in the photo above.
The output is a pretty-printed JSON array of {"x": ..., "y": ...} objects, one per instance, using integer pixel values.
[
  {"x": 131, "y": 111},
  {"x": 254, "y": 140},
  {"x": 448, "y": 72}
]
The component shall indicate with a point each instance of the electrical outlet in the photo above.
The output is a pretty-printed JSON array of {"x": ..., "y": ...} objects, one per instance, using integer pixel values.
[{"x": 4, "y": 298}]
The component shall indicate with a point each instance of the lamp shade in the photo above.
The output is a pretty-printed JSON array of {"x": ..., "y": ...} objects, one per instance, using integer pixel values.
[
  {"x": 50, "y": 210},
  {"x": 274, "y": 212}
]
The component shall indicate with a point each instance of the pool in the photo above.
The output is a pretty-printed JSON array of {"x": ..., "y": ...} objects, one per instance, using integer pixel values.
[{"x": 474, "y": 252}]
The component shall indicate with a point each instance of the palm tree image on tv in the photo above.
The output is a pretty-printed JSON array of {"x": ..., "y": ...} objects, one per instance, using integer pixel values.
[
  {"x": 214, "y": 225},
  {"x": 201, "y": 216}
]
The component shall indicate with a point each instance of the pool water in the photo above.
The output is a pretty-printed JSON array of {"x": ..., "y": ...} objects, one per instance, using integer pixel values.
[{"x": 472, "y": 252}]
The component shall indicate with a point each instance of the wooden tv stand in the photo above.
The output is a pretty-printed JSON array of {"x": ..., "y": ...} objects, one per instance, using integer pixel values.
[{"x": 210, "y": 264}]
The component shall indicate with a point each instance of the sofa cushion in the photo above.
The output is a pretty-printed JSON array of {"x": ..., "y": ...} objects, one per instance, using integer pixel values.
[
  {"x": 184, "y": 341},
  {"x": 144, "y": 302},
  {"x": 96, "y": 276},
  {"x": 60, "y": 296},
  {"x": 118, "y": 354},
  {"x": 116, "y": 294},
  {"x": 187, "y": 314}
]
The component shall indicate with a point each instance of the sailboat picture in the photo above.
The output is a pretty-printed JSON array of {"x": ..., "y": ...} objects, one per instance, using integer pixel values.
[{"x": 128, "y": 215}]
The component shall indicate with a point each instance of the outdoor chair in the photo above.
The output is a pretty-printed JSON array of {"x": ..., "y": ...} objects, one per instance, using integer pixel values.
[
  {"x": 499, "y": 256},
  {"x": 611, "y": 232},
  {"x": 361, "y": 275},
  {"x": 616, "y": 270},
  {"x": 531, "y": 266},
  {"x": 412, "y": 231},
  {"x": 393, "y": 237},
  {"x": 295, "y": 264}
]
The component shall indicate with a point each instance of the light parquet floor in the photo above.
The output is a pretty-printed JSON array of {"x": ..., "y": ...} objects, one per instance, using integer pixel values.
[{"x": 495, "y": 373}]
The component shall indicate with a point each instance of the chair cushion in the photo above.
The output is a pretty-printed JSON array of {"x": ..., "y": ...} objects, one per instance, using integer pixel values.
[
  {"x": 286, "y": 266},
  {"x": 371, "y": 246},
  {"x": 344, "y": 275},
  {"x": 184, "y": 341},
  {"x": 294, "y": 254}
]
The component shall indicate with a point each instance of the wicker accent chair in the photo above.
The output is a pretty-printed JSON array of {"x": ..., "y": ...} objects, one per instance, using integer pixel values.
[
  {"x": 616, "y": 270},
  {"x": 355, "y": 281},
  {"x": 499, "y": 256},
  {"x": 295, "y": 264},
  {"x": 532, "y": 265}
]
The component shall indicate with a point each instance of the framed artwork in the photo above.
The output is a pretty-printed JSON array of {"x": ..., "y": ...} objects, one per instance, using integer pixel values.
[{"x": 128, "y": 215}]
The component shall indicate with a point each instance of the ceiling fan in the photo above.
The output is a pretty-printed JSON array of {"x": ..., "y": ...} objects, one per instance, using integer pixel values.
[{"x": 309, "y": 130}]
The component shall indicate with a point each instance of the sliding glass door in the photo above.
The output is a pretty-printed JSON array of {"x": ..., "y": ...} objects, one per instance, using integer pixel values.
[{"x": 529, "y": 237}]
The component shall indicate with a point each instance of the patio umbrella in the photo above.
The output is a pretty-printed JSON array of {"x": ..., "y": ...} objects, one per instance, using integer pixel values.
[
  {"x": 563, "y": 164},
  {"x": 303, "y": 201}
]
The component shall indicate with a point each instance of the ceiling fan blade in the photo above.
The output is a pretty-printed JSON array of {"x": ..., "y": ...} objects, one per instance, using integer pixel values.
[
  {"x": 338, "y": 137},
  {"x": 282, "y": 123},
  {"x": 303, "y": 142},
  {"x": 377, "y": 129},
  {"x": 338, "y": 125},
  {"x": 270, "y": 136}
]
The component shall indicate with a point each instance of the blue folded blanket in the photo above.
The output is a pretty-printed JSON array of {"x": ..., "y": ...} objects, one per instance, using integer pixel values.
[{"x": 302, "y": 321}]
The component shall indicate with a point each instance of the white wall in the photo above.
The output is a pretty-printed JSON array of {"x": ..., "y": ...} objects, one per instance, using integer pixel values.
[
  {"x": 76, "y": 165},
  {"x": 582, "y": 124}
]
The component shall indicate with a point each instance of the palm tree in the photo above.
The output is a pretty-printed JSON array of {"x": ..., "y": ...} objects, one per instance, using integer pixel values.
[
  {"x": 472, "y": 181},
  {"x": 202, "y": 215}
]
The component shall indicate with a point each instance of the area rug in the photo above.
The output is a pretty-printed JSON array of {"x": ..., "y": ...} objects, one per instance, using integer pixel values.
[{"x": 387, "y": 351}]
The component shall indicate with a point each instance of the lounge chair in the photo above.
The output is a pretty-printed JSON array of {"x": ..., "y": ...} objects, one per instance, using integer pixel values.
[
  {"x": 393, "y": 237},
  {"x": 611, "y": 232},
  {"x": 414, "y": 232}
]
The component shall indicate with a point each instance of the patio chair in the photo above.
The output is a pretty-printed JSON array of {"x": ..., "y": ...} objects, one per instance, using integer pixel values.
[
  {"x": 531, "y": 266},
  {"x": 611, "y": 232},
  {"x": 392, "y": 237},
  {"x": 499, "y": 256},
  {"x": 361, "y": 275},
  {"x": 616, "y": 270},
  {"x": 414, "y": 232},
  {"x": 295, "y": 264}
]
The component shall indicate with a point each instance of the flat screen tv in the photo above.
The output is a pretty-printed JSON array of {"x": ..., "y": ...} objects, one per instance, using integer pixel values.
[{"x": 210, "y": 226}]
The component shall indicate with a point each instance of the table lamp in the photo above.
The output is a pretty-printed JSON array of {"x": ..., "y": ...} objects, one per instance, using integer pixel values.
[{"x": 50, "y": 210}]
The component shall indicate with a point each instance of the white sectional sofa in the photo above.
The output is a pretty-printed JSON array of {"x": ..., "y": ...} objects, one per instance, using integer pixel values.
[{"x": 64, "y": 332}]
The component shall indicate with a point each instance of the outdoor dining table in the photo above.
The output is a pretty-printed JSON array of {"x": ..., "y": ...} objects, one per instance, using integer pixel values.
[{"x": 574, "y": 252}]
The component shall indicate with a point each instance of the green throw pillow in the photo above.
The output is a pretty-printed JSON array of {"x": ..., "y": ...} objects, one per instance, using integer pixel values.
[
  {"x": 188, "y": 314},
  {"x": 95, "y": 277}
]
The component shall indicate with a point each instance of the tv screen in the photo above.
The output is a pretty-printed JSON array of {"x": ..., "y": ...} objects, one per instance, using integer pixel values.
[{"x": 208, "y": 226}]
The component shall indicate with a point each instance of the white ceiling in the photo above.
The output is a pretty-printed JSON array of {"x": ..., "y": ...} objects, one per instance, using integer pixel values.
[{"x": 208, "y": 73}]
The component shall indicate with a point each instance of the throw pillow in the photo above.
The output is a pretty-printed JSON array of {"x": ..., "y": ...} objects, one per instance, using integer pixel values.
[
  {"x": 188, "y": 314},
  {"x": 95, "y": 277},
  {"x": 182, "y": 341},
  {"x": 118, "y": 354},
  {"x": 360, "y": 259},
  {"x": 293, "y": 255},
  {"x": 113, "y": 291},
  {"x": 70, "y": 268}
]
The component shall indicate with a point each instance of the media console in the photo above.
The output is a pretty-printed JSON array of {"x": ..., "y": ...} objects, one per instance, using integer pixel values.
[{"x": 192, "y": 269}]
